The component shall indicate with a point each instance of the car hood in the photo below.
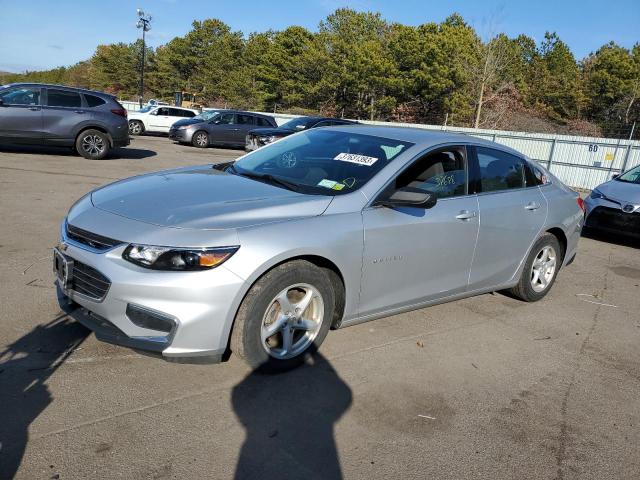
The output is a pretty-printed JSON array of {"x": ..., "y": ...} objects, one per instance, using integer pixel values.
[
  {"x": 623, "y": 192},
  {"x": 204, "y": 198},
  {"x": 187, "y": 121},
  {"x": 272, "y": 131}
]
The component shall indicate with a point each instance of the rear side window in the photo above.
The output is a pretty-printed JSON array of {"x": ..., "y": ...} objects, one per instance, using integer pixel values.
[
  {"x": 499, "y": 170},
  {"x": 188, "y": 114},
  {"x": 535, "y": 176},
  {"x": 21, "y": 96},
  {"x": 443, "y": 173},
  {"x": 245, "y": 119},
  {"x": 63, "y": 98},
  {"x": 94, "y": 101},
  {"x": 263, "y": 122}
]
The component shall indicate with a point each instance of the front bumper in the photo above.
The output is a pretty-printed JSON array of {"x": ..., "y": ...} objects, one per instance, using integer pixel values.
[
  {"x": 199, "y": 303},
  {"x": 182, "y": 135},
  {"x": 607, "y": 215}
]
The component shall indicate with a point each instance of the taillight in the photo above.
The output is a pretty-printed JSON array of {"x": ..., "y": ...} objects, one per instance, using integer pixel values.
[
  {"x": 580, "y": 203},
  {"x": 119, "y": 111}
]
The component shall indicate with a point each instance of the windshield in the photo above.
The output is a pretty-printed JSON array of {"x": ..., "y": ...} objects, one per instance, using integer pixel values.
[
  {"x": 206, "y": 115},
  {"x": 632, "y": 176},
  {"x": 146, "y": 109},
  {"x": 298, "y": 123},
  {"x": 322, "y": 162}
]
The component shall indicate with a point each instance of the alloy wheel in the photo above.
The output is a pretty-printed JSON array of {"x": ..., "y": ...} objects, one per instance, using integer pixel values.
[
  {"x": 93, "y": 145},
  {"x": 201, "y": 139},
  {"x": 292, "y": 321},
  {"x": 135, "y": 128},
  {"x": 543, "y": 268}
]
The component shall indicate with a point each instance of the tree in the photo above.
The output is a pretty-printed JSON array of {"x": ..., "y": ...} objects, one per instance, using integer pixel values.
[{"x": 612, "y": 77}]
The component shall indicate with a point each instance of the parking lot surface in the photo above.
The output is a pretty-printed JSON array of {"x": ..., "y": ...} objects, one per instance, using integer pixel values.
[{"x": 487, "y": 387}]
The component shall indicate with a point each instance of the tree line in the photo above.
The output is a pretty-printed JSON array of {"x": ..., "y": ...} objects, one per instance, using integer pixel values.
[{"x": 358, "y": 65}]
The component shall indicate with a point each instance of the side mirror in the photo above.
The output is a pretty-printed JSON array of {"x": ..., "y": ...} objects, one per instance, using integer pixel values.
[
  {"x": 1, "y": 102},
  {"x": 615, "y": 175},
  {"x": 409, "y": 197}
]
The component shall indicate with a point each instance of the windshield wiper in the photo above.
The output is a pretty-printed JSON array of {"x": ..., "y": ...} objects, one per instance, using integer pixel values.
[{"x": 268, "y": 178}]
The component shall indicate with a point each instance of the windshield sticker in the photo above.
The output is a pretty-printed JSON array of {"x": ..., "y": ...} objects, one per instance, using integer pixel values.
[
  {"x": 327, "y": 183},
  {"x": 355, "y": 158},
  {"x": 349, "y": 182},
  {"x": 338, "y": 186}
]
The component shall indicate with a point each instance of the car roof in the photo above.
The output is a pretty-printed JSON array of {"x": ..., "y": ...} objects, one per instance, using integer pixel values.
[
  {"x": 246, "y": 112},
  {"x": 421, "y": 137},
  {"x": 53, "y": 85}
]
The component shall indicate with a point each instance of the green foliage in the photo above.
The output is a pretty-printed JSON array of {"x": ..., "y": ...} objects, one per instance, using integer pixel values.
[{"x": 360, "y": 66}]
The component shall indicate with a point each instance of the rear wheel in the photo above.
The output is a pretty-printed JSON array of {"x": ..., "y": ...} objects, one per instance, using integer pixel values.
[
  {"x": 285, "y": 317},
  {"x": 200, "y": 139},
  {"x": 136, "y": 127},
  {"x": 540, "y": 269},
  {"x": 92, "y": 144}
]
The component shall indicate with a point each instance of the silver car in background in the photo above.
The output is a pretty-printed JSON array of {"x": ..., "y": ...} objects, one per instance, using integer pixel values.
[
  {"x": 323, "y": 229},
  {"x": 614, "y": 206}
]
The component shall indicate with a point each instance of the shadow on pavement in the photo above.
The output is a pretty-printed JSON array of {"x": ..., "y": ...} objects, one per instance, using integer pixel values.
[
  {"x": 25, "y": 367},
  {"x": 125, "y": 153},
  {"x": 601, "y": 236},
  {"x": 289, "y": 420}
]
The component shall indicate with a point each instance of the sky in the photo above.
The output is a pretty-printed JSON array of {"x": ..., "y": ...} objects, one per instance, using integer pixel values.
[{"x": 41, "y": 34}]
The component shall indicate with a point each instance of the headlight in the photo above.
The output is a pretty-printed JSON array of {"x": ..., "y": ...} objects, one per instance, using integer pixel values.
[
  {"x": 269, "y": 139},
  {"x": 167, "y": 258},
  {"x": 183, "y": 127},
  {"x": 596, "y": 194}
]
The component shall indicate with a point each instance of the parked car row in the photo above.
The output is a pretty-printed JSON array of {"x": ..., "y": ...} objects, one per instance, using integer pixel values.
[{"x": 221, "y": 127}]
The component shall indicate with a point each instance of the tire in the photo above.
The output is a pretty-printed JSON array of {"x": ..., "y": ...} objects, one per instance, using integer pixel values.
[
  {"x": 200, "y": 139},
  {"x": 136, "y": 127},
  {"x": 261, "y": 309},
  {"x": 533, "y": 287},
  {"x": 93, "y": 144}
]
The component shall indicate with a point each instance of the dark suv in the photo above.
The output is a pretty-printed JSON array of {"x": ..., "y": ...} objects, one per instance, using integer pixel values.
[{"x": 38, "y": 114}]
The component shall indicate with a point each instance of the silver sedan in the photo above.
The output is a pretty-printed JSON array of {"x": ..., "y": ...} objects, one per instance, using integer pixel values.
[{"x": 323, "y": 229}]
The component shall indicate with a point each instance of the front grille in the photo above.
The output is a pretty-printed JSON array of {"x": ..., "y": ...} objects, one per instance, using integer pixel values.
[
  {"x": 614, "y": 219},
  {"x": 89, "y": 281},
  {"x": 92, "y": 240}
]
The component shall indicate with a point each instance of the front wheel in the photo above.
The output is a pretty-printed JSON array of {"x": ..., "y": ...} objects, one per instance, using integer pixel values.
[
  {"x": 285, "y": 317},
  {"x": 200, "y": 139},
  {"x": 540, "y": 269},
  {"x": 92, "y": 144}
]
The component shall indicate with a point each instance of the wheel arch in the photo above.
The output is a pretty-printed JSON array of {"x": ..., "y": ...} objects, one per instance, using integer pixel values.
[
  {"x": 329, "y": 266},
  {"x": 562, "y": 239}
]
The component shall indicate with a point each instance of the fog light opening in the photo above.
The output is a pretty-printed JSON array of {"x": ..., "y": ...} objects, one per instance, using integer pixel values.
[{"x": 150, "y": 319}]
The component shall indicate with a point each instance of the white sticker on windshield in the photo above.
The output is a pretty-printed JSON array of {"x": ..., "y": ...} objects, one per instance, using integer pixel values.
[{"x": 355, "y": 158}]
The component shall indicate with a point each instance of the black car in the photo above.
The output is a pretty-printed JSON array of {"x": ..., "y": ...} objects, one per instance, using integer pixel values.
[
  {"x": 39, "y": 114},
  {"x": 260, "y": 137}
]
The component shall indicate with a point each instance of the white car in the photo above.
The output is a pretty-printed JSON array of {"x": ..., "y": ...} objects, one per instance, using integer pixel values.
[{"x": 157, "y": 118}]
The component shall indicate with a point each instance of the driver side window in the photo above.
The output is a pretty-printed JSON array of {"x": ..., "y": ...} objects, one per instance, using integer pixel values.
[
  {"x": 225, "y": 119},
  {"x": 443, "y": 172}
]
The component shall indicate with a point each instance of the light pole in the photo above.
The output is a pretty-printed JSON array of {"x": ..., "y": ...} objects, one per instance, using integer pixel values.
[{"x": 144, "y": 22}]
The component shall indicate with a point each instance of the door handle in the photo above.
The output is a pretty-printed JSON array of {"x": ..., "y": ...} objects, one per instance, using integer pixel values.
[
  {"x": 532, "y": 206},
  {"x": 34, "y": 109},
  {"x": 79, "y": 111},
  {"x": 465, "y": 215}
]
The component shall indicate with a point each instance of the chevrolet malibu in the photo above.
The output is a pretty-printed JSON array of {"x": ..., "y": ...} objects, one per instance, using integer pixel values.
[{"x": 324, "y": 229}]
